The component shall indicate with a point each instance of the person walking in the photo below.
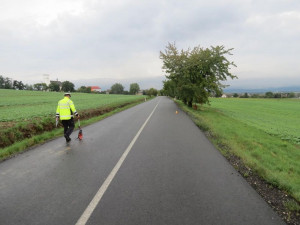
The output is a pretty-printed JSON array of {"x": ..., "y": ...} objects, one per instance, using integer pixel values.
[{"x": 65, "y": 111}]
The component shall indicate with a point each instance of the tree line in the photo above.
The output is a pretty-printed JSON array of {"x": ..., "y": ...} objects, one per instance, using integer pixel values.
[
  {"x": 268, "y": 94},
  {"x": 193, "y": 75},
  {"x": 134, "y": 89},
  {"x": 7, "y": 83},
  {"x": 67, "y": 86}
]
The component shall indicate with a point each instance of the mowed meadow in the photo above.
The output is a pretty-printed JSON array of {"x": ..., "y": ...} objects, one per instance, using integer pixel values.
[
  {"x": 263, "y": 133},
  {"x": 28, "y": 117}
]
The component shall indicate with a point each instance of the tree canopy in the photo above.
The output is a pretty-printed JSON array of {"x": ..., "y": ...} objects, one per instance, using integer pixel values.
[
  {"x": 152, "y": 91},
  {"x": 134, "y": 88},
  {"x": 1, "y": 82},
  {"x": 40, "y": 86},
  {"x": 195, "y": 74},
  {"x": 5, "y": 82},
  {"x": 269, "y": 94},
  {"x": 117, "y": 88},
  {"x": 67, "y": 86},
  {"x": 53, "y": 86},
  {"x": 18, "y": 85},
  {"x": 85, "y": 89}
]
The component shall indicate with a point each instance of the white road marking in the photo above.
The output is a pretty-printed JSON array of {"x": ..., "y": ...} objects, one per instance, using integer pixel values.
[{"x": 95, "y": 201}]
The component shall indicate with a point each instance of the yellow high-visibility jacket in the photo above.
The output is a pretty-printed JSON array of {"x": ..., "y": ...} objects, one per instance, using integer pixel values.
[{"x": 66, "y": 109}]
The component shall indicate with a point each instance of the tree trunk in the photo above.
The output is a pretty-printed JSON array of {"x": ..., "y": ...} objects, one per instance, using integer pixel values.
[{"x": 190, "y": 104}]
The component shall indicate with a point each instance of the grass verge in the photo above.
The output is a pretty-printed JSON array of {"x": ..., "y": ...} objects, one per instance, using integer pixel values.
[
  {"x": 25, "y": 144},
  {"x": 267, "y": 162}
]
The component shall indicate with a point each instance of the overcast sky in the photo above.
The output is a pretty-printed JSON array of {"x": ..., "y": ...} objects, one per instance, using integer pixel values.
[{"x": 121, "y": 39}]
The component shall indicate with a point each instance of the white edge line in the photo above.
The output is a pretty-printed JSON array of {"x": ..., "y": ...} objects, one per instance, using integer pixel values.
[{"x": 97, "y": 198}]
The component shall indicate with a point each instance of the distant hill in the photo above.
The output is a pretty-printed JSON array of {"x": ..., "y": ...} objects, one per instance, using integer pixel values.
[{"x": 262, "y": 90}]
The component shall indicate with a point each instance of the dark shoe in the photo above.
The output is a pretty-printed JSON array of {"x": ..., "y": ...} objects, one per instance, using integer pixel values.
[{"x": 68, "y": 139}]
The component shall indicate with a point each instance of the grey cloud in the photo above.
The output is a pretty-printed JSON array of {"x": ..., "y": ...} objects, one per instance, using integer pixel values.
[{"x": 123, "y": 38}]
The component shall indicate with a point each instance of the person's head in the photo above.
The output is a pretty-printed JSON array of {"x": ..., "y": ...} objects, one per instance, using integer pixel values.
[{"x": 68, "y": 95}]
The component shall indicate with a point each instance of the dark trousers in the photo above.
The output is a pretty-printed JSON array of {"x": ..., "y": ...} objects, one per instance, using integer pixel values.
[{"x": 68, "y": 126}]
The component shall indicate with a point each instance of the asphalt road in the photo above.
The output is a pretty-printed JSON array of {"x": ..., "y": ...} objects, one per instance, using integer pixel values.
[{"x": 145, "y": 165}]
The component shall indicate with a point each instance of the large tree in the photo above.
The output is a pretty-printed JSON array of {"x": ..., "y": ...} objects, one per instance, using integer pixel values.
[
  {"x": 67, "y": 86},
  {"x": 54, "y": 86},
  {"x": 8, "y": 83},
  {"x": 134, "y": 88},
  {"x": 151, "y": 91},
  {"x": 40, "y": 86},
  {"x": 2, "y": 80},
  {"x": 269, "y": 94},
  {"x": 169, "y": 88},
  {"x": 18, "y": 85},
  {"x": 28, "y": 87},
  {"x": 84, "y": 89},
  {"x": 117, "y": 88},
  {"x": 195, "y": 74}
]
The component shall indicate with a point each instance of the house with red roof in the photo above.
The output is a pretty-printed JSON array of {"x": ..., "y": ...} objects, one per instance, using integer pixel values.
[{"x": 95, "y": 89}]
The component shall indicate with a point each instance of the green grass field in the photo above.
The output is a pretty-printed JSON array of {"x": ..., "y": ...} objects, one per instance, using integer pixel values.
[
  {"x": 28, "y": 117},
  {"x": 278, "y": 117},
  {"x": 264, "y": 133},
  {"x": 23, "y": 105}
]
